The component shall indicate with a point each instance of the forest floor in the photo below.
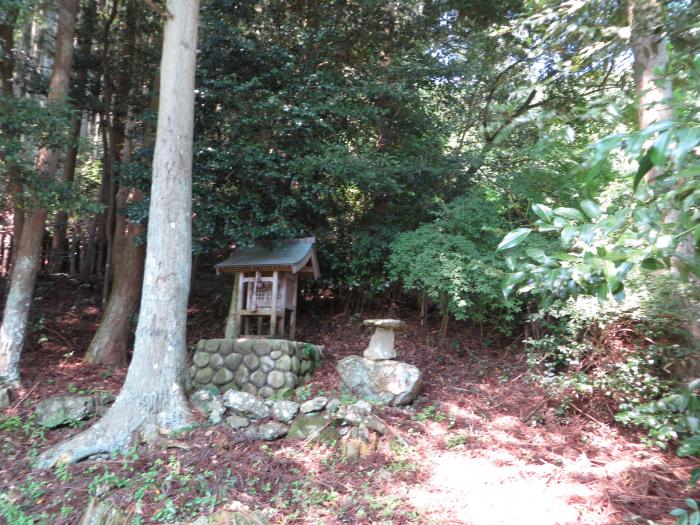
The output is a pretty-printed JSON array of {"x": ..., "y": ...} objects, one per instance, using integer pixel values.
[{"x": 482, "y": 445}]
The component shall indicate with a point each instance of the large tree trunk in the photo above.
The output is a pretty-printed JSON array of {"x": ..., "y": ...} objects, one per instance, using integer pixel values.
[
  {"x": 26, "y": 267},
  {"x": 153, "y": 396}
]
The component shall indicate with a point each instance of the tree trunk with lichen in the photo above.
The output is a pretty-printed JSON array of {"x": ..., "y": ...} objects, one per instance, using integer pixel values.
[
  {"x": 152, "y": 400},
  {"x": 27, "y": 258}
]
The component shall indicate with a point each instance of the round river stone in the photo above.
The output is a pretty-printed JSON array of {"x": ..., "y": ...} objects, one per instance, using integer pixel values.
[
  {"x": 241, "y": 375},
  {"x": 266, "y": 363},
  {"x": 233, "y": 361},
  {"x": 284, "y": 363},
  {"x": 251, "y": 361},
  {"x": 257, "y": 378},
  {"x": 223, "y": 376},
  {"x": 275, "y": 379},
  {"x": 204, "y": 376},
  {"x": 201, "y": 359},
  {"x": 216, "y": 361}
]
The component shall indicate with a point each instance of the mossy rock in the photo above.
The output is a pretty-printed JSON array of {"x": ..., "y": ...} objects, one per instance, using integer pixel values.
[{"x": 316, "y": 427}]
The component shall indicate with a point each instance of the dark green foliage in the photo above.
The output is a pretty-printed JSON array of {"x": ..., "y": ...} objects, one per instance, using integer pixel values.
[{"x": 452, "y": 260}]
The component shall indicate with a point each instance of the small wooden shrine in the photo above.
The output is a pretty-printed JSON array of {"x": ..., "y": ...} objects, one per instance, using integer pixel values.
[{"x": 264, "y": 300}]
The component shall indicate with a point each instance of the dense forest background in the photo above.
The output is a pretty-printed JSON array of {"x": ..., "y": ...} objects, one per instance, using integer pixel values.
[{"x": 526, "y": 168}]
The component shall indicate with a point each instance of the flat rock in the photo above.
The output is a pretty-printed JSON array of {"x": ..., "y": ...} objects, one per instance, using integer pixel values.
[
  {"x": 237, "y": 422},
  {"x": 246, "y": 404},
  {"x": 389, "y": 324},
  {"x": 267, "y": 431},
  {"x": 231, "y": 517},
  {"x": 311, "y": 427},
  {"x": 313, "y": 405},
  {"x": 60, "y": 410},
  {"x": 284, "y": 411},
  {"x": 387, "y": 382}
]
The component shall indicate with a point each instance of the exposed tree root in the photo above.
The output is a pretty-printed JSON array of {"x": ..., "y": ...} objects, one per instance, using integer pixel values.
[{"x": 130, "y": 420}]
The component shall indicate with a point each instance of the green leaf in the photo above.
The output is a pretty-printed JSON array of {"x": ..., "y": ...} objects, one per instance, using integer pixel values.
[
  {"x": 645, "y": 164},
  {"x": 570, "y": 213},
  {"x": 589, "y": 208},
  {"x": 694, "y": 518},
  {"x": 567, "y": 235},
  {"x": 543, "y": 211},
  {"x": 513, "y": 238},
  {"x": 691, "y": 503},
  {"x": 688, "y": 139},
  {"x": 510, "y": 262}
]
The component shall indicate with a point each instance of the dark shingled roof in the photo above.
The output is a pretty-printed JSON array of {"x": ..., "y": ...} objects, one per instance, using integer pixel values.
[{"x": 286, "y": 255}]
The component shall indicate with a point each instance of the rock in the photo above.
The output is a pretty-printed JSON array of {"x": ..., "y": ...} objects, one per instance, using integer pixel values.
[
  {"x": 313, "y": 405},
  {"x": 333, "y": 405},
  {"x": 212, "y": 345},
  {"x": 250, "y": 388},
  {"x": 258, "y": 378},
  {"x": 312, "y": 427},
  {"x": 246, "y": 404},
  {"x": 216, "y": 411},
  {"x": 275, "y": 354},
  {"x": 203, "y": 376},
  {"x": 241, "y": 376},
  {"x": 201, "y": 359},
  {"x": 266, "y": 392},
  {"x": 222, "y": 377},
  {"x": 251, "y": 361},
  {"x": 381, "y": 346},
  {"x": 208, "y": 403},
  {"x": 388, "y": 324},
  {"x": 233, "y": 361},
  {"x": 101, "y": 512},
  {"x": 237, "y": 422},
  {"x": 262, "y": 346},
  {"x": 284, "y": 364},
  {"x": 226, "y": 347},
  {"x": 267, "y": 431},
  {"x": 60, "y": 410},
  {"x": 267, "y": 363},
  {"x": 290, "y": 380},
  {"x": 4, "y": 397},
  {"x": 387, "y": 382},
  {"x": 358, "y": 416},
  {"x": 275, "y": 379},
  {"x": 284, "y": 411},
  {"x": 216, "y": 361},
  {"x": 358, "y": 442},
  {"x": 295, "y": 364}
]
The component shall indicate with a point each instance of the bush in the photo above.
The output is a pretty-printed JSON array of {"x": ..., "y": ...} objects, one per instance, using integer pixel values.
[
  {"x": 626, "y": 356},
  {"x": 452, "y": 261}
]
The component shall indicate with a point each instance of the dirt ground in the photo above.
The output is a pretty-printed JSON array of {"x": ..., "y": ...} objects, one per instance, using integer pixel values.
[{"x": 481, "y": 446}]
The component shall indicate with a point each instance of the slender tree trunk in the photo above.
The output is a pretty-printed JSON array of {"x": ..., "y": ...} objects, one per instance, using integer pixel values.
[
  {"x": 24, "y": 272},
  {"x": 59, "y": 239},
  {"x": 111, "y": 341},
  {"x": 153, "y": 395}
]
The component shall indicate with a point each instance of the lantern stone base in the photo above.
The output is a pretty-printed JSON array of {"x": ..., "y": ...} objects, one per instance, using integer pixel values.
[{"x": 262, "y": 367}]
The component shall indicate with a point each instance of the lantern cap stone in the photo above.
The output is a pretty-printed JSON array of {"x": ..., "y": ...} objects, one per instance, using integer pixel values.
[{"x": 388, "y": 324}]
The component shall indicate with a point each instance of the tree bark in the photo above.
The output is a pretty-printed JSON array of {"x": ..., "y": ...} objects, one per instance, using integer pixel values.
[
  {"x": 110, "y": 344},
  {"x": 152, "y": 399},
  {"x": 27, "y": 262}
]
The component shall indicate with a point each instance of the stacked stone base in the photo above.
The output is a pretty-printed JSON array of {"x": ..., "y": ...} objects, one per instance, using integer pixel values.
[{"x": 261, "y": 367}]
